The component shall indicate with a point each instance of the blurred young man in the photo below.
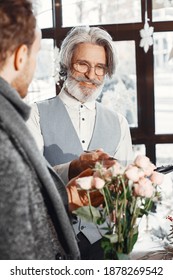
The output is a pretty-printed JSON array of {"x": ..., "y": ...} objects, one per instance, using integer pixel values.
[
  {"x": 72, "y": 122},
  {"x": 34, "y": 221}
]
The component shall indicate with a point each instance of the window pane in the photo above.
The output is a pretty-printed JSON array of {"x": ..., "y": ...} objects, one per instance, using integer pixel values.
[
  {"x": 139, "y": 150},
  {"x": 162, "y": 10},
  {"x": 163, "y": 82},
  {"x": 119, "y": 93},
  {"x": 76, "y": 12},
  {"x": 44, "y": 13},
  {"x": 164, "y": 154},
  {"x": 43, "y": 84}
]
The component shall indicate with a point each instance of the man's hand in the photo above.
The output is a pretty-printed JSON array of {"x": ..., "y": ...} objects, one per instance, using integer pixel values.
[
  {"x": 88, "y": 160},
  {"x": 78, "y": 197}
]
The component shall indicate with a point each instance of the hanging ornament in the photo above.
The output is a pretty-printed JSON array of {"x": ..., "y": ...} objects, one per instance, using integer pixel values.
[{"x": 146, "y": 33}]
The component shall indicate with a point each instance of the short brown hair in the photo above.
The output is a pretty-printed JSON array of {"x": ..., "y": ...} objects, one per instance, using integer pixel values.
[{"x": 17, "y": 26}]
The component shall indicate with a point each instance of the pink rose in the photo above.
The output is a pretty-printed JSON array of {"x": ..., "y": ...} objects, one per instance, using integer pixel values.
[
  {"x": 85, "y": 183},
  {"x": 145, "y": 163},
  {"x": 115, "y": 169},
  {"x": 98, "y": 183},
  {"x": 134, "y": 173},
  {"x": 157, "y": 178},
  {"x": 144, "y": 188},
  {"x": 107, "y": 175},
  {"x": 149, "y": 169},
  {"x": 142, "y": 161}
]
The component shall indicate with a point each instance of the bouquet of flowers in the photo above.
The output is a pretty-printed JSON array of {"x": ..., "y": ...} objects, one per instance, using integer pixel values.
[{"x": 127, "y": 194}]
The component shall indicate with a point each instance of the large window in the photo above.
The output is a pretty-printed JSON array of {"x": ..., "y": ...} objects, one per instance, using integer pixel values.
[
  {"x": 162, "y": 10},
  {"x": 44, "y": 13},
  {"x": 163, "y": 82},
  {"x": 79, "y": 12},
  {"x": 120, "y": 93},
  {"x": 43, "y": 84}
]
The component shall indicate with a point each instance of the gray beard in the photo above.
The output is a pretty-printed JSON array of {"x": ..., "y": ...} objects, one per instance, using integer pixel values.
[{"x": 80, "y": 93}]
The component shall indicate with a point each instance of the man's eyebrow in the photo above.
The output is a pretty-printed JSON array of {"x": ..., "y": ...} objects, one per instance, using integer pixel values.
[
  {"x": 81, "y": 60},
  {"x": 98, "y": 64},
  {"x": 101, "y": 64}
]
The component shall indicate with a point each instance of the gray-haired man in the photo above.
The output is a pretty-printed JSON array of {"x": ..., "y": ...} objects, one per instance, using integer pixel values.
[{"x": 72, "y": 122}]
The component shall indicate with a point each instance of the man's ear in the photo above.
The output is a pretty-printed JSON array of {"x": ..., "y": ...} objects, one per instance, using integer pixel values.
[{"x": 21, "y": 55}]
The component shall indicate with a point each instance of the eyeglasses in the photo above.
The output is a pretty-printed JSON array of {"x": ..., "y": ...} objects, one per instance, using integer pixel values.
[{"x": 83, "y": 67}]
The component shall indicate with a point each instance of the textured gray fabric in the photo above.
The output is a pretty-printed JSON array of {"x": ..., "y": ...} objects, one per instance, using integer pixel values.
[
  {"x": 61, "y": 142},
  {"x": 33, "y": 221}
]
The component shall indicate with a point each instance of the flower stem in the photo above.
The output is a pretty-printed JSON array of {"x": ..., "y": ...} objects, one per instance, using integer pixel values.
[
  {"x": 132, "y": 223},
  {"x": 89, "y": 202}
]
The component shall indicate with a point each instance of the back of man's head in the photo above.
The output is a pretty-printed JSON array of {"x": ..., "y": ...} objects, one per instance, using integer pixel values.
[{"x": 17, "y": 26}]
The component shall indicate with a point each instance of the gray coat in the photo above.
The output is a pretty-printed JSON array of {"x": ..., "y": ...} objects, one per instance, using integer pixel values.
[{"x": 34, "y": 223}]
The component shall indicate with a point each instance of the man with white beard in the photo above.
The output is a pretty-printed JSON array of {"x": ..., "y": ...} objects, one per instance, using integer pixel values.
[{"x": 73, "y": 122}]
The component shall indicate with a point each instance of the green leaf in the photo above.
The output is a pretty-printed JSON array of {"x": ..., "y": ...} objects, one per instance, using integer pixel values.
[
  {"x": 109, "y": 249},
  {"x": 101, "y": 220},
  {"x": 88, "y": 213},
  {"x": 133, "y": 240},
  {"x": 121, "y": 256},
  {"x": 113, "y": 238}
]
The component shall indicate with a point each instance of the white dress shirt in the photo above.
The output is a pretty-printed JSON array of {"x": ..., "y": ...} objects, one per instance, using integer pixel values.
[{"x": 83, "y": 119}]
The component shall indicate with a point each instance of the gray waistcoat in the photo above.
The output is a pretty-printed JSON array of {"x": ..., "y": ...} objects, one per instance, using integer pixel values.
[{"x": 62, "y": 144}]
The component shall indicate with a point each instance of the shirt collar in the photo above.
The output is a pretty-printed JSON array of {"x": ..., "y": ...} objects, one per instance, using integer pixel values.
[{"x": 69, "y": 101}]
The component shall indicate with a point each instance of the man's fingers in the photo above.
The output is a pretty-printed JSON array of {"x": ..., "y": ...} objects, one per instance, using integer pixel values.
[
  {"x": 86, "y": 172},
  {"x": 89, "y": 156}
]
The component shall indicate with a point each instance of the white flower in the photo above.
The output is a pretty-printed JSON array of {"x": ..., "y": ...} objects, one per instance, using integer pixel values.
[
  {"x": 98, "y": 183},
  {"x": 85, "y": 183},
  {"x": 146, "y": 34}
]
